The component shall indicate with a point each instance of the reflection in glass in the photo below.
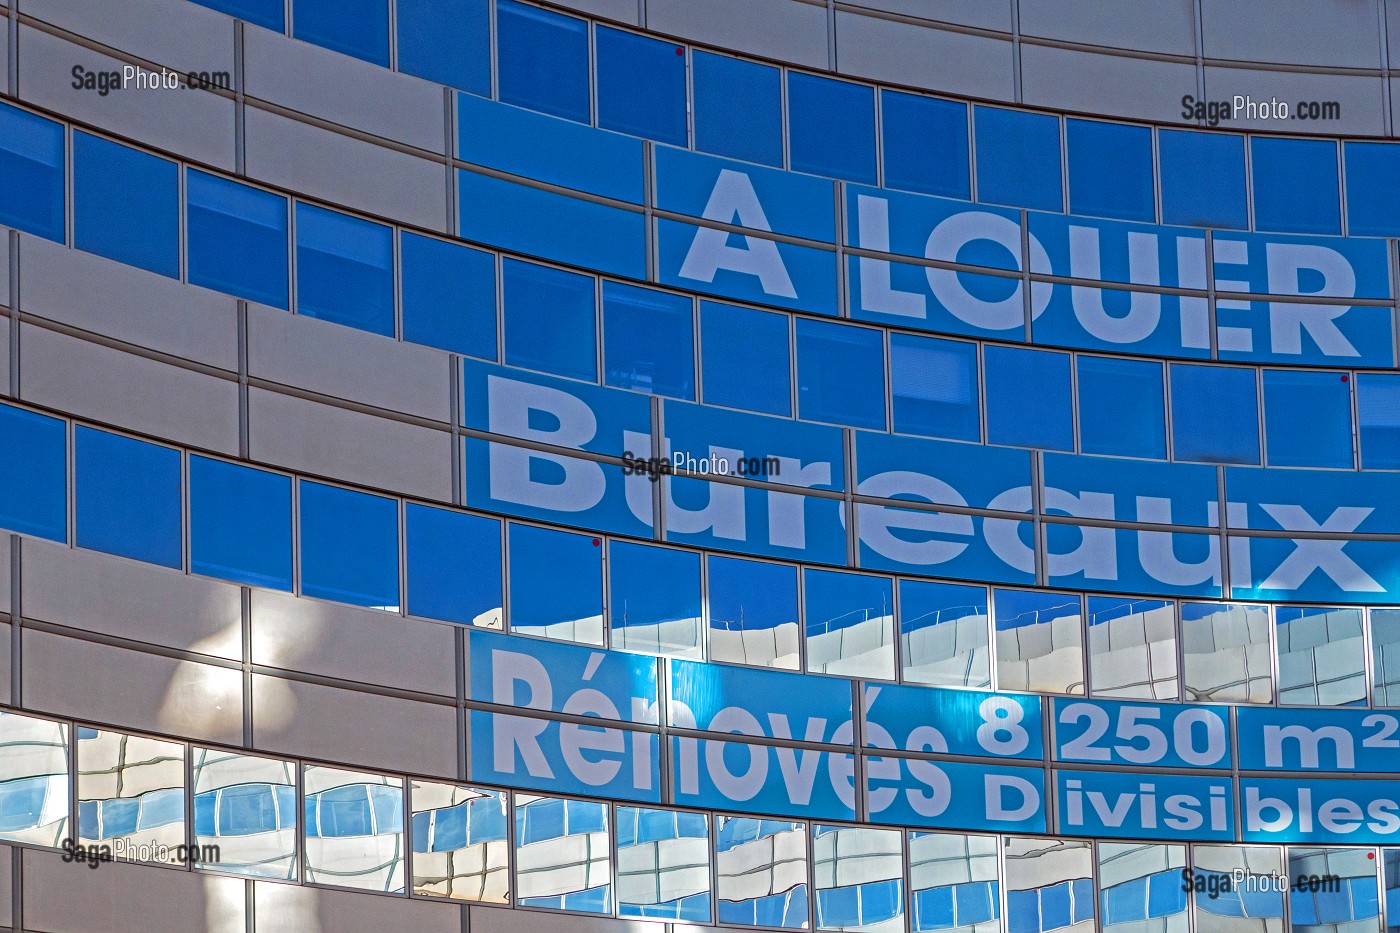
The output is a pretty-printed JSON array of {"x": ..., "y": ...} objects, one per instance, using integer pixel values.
[
  {"x": 131, "y": 794},
  {"x": 753, "y": 613},
  {"x": 1049, "y": 884},
  {"x": 561, "y": 854},
  {"x": 654, "y": 600},
  {"x": 1392, "y": 889},
  {"x": 761, "y": 871},
  {"x": 859, "y": 877},
  {"x": 33, "y": 780},
  {"x": 460, "y": 844},
  {"x": 1385, "y": 656},
  {"x": 1039, "y": 643},
  {"x": 663, "y": 864},
  {"x": 1250, "y": 908},
  {"x": 354, "y": 829},
  {"x": 953, "y": 883},
  {"x": 556, "y": 584},
  {"x": 1331, "y": 890},
  {"x": 1225, "y": 653},
  {"x": 1321, "y": 656},
  {"x": 943, "y": 634},
  {"x": 1140, "y": 887},
  {"x": 247, "y": 807},
  {"x": 1132, "y": 648},
  {"x": 850, "y": 624}
]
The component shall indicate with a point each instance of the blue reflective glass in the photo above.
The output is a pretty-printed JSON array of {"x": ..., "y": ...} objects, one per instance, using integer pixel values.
[
  {"x": 354, "y": 27},
  {"x": 349, "y": 546},
  {"x": 1122, "y": 408},
  {"x": 31, "y": 162},
  {"x": 738, "y": 108},
  {"x": 237, "y": 238},
  {"x": 1214, "y": 414},
  {"x": 934, "y": 384},
  {"x": 648, "y": 341},
  {"x": 1307, "y": 418},
  {"x": 943, "y": 634},
  {"x": 1029, "y": 400},
  {"x": 34, "y": 496},
  {"x": 119, "y": 817},
  {"x": 345, "y": 270},
  {"x": 835, "y": 601},
  {"x": 654, "y": 599},
  {"x": 925, "y": 144},
  {"x": 746, "y": 358},
  {"x": 246, "y": 809},
  {"x": 22, "y": 803},
  {"x": 556, "y": 584},
  {"x": 268, "y": 13},
  {"x": 753, "y": 612},
  {"x": 161, "y": 808},
  {"x": 387, "y": 804},
  {"x": 550, "y": 320},
  {"x": 454, "y": 565},
  {"x": 204, "y": 805},
  {"x": 449, "y": 296},
  {"x": 840, "y": 374},
  {"x": 126, "y": 205},
  {"x": 240, "y": 523},
  {"x": 1202, "y": 178},
  {"x": 543, "y": 60},
  {"x": 831, "y": 127},
  {"x": 641, "y": 85},
  {"x": 1296, "y": 185},
  {"x": 449, "y": 43},
  {"x": 1378, "y": 411},
  {"x": 449, "y": 828},
  {"x": 1018, "y": 158},
  {"x": 1373, "y": 188},
  {"x": 342, "y": 811},
  {"x": 128, "y": 495},
  {"x": 1110, "y": 170}
]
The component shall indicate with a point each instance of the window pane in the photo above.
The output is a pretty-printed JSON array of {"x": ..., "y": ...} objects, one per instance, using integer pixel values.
[
  {"x": 449, "y": 43},
  {"x": 953, "y": 882},
  {"x": 449, "y": 296},
  {"x": 859, "y": 876},
  {"x": 34, "y": 797},
  {"x": 850, "y": 624},
  {"x": 1214, "y": 865},
  {"x": 354, "y": 27},
  {"x": 1225, "y": 653},
  {"x": 831, "y": 127},
  {"x": 648, "y": 340},
  {"x": 1385, "y": 656},
  {"x": 128, "y": 497},
  {"x": 125, "y": 783},
  {"x": 1214, "y": 414},
  {"x": 663, "y": 865},
  {"x": 345, "y": 270},
  {"x": 354, "y": 829},
  {"x": 349, "y": 546},
  {"x": 561, "y": 854},
  {"x": 943, "y": 634},
  {"x": 747, "y": 359},
  {"x": 1347, "y": 899},
  {"x": 1141, "y": 883},
  {"x": 1110, "y": 170},
  {"x": 761, "y": 872},
  {"x": 31, "y": 162},
  {"x": 460, "y": 844},
  {"x": 840, "y": 374},
  {"x": 549, "y": 320},
  {"x": 1373, "y": 188},
  {"x": 935, "y": 387},
  {"x": 654, "y": 599},
  {"x": 1039, "y": 642},
  {"x": 738, "y": 108},
  {"x": 1378, "y": 410},
  {"x": 1029, "y": 402},
  {"x": 1296, "y": 187},
  {"x": 1321, "y": 656},
  {"x": 1049, "y": 885},
  {"x": 641, "y": 85},
  {"x": 925, "y": 144},
  {"x": 1132, "y": 648},
  {"x": 1307, "y": 418},
  {"x": 126, "y": 205},
  {"x": 251, "y": 813},
  {"x": 1018, "y": 158},
  {"x": 1202, "y": 179},
  {"x": 1122, "y": 411},
  {"x": 269, "y": 13},
  {"x": 454, "y": 566},
  {"x": 237, "y": 238},
  {"x": 556, "y": 584},
  {"x": 753, "y": 612},
  {"x": 34, "y": 496},
  {"x": 543, "y": 60},
  {"x": 240, "y": 523}
]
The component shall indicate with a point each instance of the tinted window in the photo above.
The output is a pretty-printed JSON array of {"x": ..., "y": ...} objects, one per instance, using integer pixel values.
[
  {"x": 1214, "y": 414},
  {"x": 753, "y": 612},
  {"x": 454, "y": 565},
  {"x": 663, "y": 889},
  {"x": 654, "y": 599},
  {"x": 648, "y": 340},
  {"x": 449, "y": 43},
  {"x": 1225, "y": 653},
  {"x": 34, "y": 496},
  {"x": 240, "y": 523},
  {"x": 449, "y": 296},
  {"x": 126, "y": 205},
  {"x": 1122, "y": 410},
  {"x": 269, "y": 13},
  {"x": 1029, "y": 399},
  {"x": 31, "y": 162},
  {"x": 349, "y": 546},
  {"x": 1110, "y": 170},
  {"x": 237, "y": 238},
  {"x": 1202, "y": 179},
  {"x": 543, "y": 60},
  {"x": 1307, "y": 418},
  {"x": 850, "y": 624},
  {"x": 1296, "y": 186},
  {"x": 746, "y": 358},
  {"x": 925, "y": 144},
  {"x": 1132, "y": 648},
  {"x": 128, "y": 497},
  {"x": 1373, "y": 188},
  {"x": 549, "y": 320},
  {"x": 355, "y": 27},
  {"x": 840, "y": 374},
  {"x": 556, "y": 584},
  {"x": 831, "y": 127},
  {"x": 1378, "y": 410},
  {"x": 1018, "y": 158},
  {"x": 934, "y": 387},
  {"x": 1321, "y": 656},
  {"x": 1039, "y": 642},
  {"x": 738, "y": 108},
  {"x": 943, "y": 634},
  {"x": 345, "y": 270},
  {"x": 641, "y": 85}
]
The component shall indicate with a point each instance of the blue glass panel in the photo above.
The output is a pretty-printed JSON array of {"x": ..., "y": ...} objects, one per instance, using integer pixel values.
[
  {"x": 935, "y": 387},
  {"x": 449, "y": 296},
  {"x": 1110, "y": 170},
  {"x": 556, "y": 583},
  {"x": 831, "y": 127},
  {"x": 128, "y": 497},
  {"x": 161, "y": 808},
  {"x": 387, "y": 804},
  {"x": 641, "y": 85},
  {"x": 1307, "y": 418},
  {"x": 126, "y": 205},
  {"x": 925, "y": 144},
  {"x": 237, "y": 238},
  {"x": 738, "y": 108},
  {"x": 354, "y": 27},
  {"x": 246, "y": 809},
  {"x": 543, "y": 60},
  {"x": 1378, "y": 410},
  {"x": 119, "y": 817},
  {"x": 840, "y": 374},
  {"x": 449, "y": 828},
  {"x": 269, "y": 13},
  {"x": 1202, "y": 178},
  {"x": 1029, "y": 403},
  {"x": 1373, "y": 188},
  {"x": 345, "y": 270},
  {"x": 349, "y": 546},
  {"x": 836, "y": 600},
  {"x": 746, "y": 358},
  {"x": 344, "y": 811},
  {"x": 22, "y": 803},
  {"x": 648, "y": 341},
  {"x": 204, "y": 812},
  {"x": 752, "y": 602},
  {"x": 31, "y": 162},
  {"x": 654, "y": 599},
  {"x": 240, "y": 523},
  {"x": 449, "y": 43},
  {"x": 34, "y": 496},
  {"x": 1214, "y": 414},
  {"x": 1122, "y": 409},
  {"x": 454, "y": 565},
  {"x": 549, "y": 320},
  {"x": 1018, "y": 158},
  {"x": 1296, "y": 185}
]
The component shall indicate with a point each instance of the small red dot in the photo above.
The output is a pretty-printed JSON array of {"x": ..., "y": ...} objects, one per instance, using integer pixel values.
[
  {"x": 1371, "y": 855},
  {"x": 679, "y": 50},
  {"x": 596, "y": 542},
  {"x": 1346, "y": 378}
]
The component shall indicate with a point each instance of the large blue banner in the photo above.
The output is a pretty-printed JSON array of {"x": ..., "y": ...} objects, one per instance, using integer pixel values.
[
  {"x": 1160, "y": 735},
  {"x": 953, "y": 722},
  {"x": 1328, "y": 740},
  {"x": 1118, "y": 805},
  {"x": 954, "y": 795},
  {"x": 1347, "y": 812}
]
